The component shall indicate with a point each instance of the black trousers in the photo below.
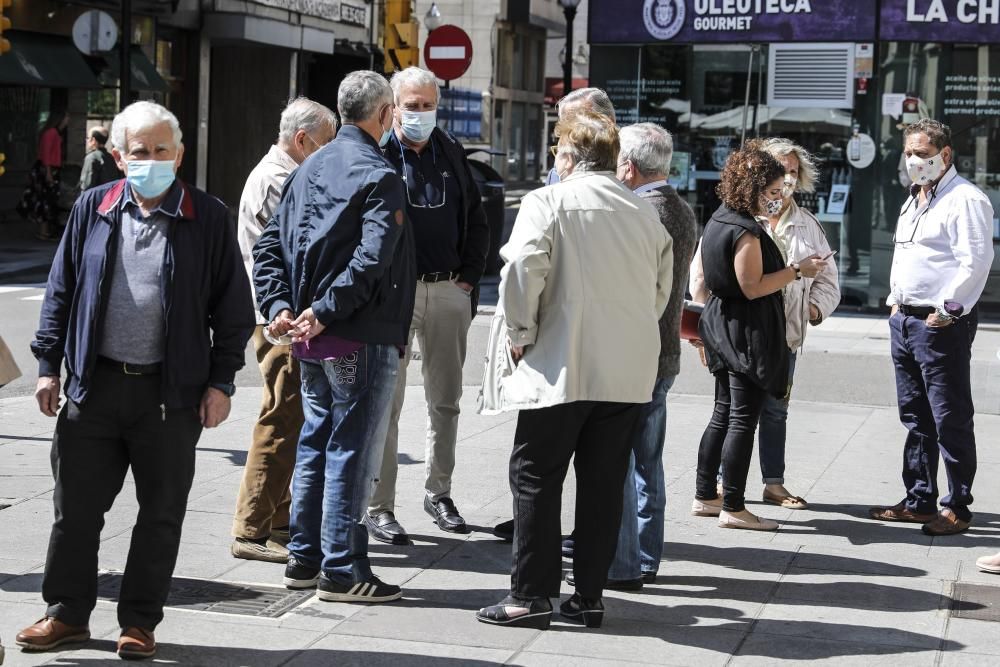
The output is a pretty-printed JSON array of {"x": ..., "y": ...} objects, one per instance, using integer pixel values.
[
  {"x": 599, "y": 434},
  {"x": 728, "y": 439},
  {"x": 121, "y": 425}
]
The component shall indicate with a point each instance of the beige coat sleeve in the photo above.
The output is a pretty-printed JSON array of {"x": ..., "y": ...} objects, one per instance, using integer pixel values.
[
  {"x": 528, "y": 259},
  {"x": 696, "y": 280},
  {"x": 824, "y": 292}
]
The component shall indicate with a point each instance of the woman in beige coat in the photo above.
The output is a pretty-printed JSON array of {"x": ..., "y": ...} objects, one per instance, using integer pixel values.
[
  {"x": 575, "y": 348},
  {"x": 808, "y": 302}
]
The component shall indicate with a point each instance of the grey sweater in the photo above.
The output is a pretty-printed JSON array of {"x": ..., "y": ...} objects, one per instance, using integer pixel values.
[{"x": 678, "y": 218}]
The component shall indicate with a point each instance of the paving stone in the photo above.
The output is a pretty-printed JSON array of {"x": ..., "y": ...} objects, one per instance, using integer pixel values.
[
  {"x": 347, "y": 650},
  {"x": 975, "y": 636},
  {"x": 904, "y": 628},
  {"x": 763, "y": 649}
]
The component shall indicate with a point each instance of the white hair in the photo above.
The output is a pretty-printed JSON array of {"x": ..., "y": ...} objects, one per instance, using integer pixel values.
[
  {"x": 413, "y": 77},
  {"x": 360, "y": 95},
  {"x": 594, "y": 98},
  {"x": 142, "y": 116},
  {"x": 303, "y": 113},
  {"x": 779, "y": 147},
  {"x": 648, "y": 146}
]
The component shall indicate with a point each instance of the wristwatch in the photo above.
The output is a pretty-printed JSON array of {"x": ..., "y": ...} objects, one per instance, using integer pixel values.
[
  {"x": 952, "y": 311},
  {"x": 227, "y": 389},
  {"x": 798, "y": 271}
]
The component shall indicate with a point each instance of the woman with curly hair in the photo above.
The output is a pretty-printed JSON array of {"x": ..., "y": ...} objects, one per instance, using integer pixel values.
[{"x": 743, "y": 328}]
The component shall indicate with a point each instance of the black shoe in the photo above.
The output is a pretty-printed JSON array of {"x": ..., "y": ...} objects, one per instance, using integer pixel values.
[
  {"x": 298, "y": 575},
  {"x": 445, "y": 515},
  {"x": 615, "y": 584},
  {"x": 370, "y": 590},
  {"x": 535, "y": 614},
  {"x": 505, "y": 530},
  {"x": 649, "y": 577},
  {"x": 582, "y": 610},
  {"x": 384, "y": 528},
  {"x": 568, "y": 545}
]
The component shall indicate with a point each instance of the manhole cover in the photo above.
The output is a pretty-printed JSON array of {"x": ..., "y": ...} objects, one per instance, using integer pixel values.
[
  {"x": 975, "y": 601},
  {"x": 218, "y": 596}
]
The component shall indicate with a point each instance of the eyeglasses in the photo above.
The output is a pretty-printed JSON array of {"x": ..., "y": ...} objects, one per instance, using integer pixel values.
[
  {"x": 554, "y": 150},
  {"x": 406, "y": 178},
  {"x": 916, "y": 221}
]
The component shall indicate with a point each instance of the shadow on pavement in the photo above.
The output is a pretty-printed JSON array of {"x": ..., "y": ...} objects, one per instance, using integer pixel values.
[{"x": 756, "y": 559}]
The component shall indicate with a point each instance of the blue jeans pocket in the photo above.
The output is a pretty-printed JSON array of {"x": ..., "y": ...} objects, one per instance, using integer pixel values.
[{"x": 350, "y": 371}]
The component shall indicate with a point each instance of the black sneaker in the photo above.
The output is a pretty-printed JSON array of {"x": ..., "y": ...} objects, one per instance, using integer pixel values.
[
  {"x": 371, "y": 590},
  {"x": 298, "y": 575}
]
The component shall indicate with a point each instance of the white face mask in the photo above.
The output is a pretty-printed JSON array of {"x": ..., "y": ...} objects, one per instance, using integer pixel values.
[
  {"x": 772, "y": 207},
  {"x": 924, "y": 171},
  {"x": 789, "y": 188}
]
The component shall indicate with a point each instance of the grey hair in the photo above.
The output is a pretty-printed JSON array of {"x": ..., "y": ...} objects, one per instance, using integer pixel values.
[
  {"x": 808, "y": 172},
  {"x": 142, "y": 116},
  {"x": 937, "y": 132},
  {"x": 594, "y": 98},
  {"x": 360, "y": 95},
  {"x": 648, "y": 146},
  {"x": 303, "y": 113},
  {"x": 415, "y": 77}
]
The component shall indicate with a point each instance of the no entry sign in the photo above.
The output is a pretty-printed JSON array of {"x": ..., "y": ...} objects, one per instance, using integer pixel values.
[{"x": 448, "y": 52}]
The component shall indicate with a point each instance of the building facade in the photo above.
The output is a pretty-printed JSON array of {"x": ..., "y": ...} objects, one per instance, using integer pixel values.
[{"x": 841, "y": 77}]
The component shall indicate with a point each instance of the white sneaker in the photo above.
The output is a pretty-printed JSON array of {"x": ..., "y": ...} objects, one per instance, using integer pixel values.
[
  {"x": 746, "y": 521},
  {"x": 989, "y": 564},
  {"x": 706, "y": 507}
]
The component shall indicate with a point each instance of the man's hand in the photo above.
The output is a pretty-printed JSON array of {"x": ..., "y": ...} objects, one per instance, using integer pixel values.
[
  {"x": 47, "y": 395},
  {"x": 893, "y": 310},
  {"x": 282, "y": 324},
  {"x": 935, "y": 322},
  {"x": 307, "y": 325},
  {"x": 465, "y": 287},
  {"x": 214, "y": 408}
]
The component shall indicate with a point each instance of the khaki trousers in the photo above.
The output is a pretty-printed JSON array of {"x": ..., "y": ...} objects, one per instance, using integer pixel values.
[
  {"x": 442, "y": 315},
  {"x": 264, "y": 496}
]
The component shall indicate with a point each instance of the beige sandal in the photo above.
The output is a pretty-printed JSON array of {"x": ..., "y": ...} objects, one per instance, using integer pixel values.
[{"x": 788, "y": 502}]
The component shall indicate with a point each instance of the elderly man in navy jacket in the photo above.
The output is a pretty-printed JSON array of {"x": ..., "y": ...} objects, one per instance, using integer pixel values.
[
  {"x": 148, "y": 307},
  {"x": 334, "y": 271}
]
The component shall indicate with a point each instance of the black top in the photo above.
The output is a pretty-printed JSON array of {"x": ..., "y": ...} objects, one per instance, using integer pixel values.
[
  {"x": 742, "y": 335},
  {"x": 433, "y": 204}
]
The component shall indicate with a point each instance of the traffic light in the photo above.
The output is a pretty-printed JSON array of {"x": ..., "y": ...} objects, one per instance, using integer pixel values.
[
  {"x": 4, "y": 25},
  {"x": 400, "y": 34}
]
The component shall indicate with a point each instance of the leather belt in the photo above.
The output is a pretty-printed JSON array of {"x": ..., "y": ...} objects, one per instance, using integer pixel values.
[
  {"x": 437, "y": 277},
  {"x": 917, "y": 311},
  {"x": 125, "y": 368}
]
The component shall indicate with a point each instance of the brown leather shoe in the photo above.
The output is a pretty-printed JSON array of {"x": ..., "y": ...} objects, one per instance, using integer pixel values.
[
  {"x": 136, "y": 644},
  {"x": 945, "y": 523},
  {"x": 899, "y": 513},
  {"x": 48, "y": 633}
]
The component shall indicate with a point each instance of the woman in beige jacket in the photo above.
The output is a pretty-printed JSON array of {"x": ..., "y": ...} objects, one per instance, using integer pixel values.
[
  {"x": 808, "y": 301},
  {"x": 575, "y": 349}
]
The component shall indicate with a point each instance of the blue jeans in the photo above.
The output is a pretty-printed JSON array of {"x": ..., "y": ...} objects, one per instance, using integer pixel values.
[
  {"x": 640, "y": 538},
  {"x": 934, "y": 390},
  {"x": 771, "y": 432},
  {"x": 345, "y": 403}
]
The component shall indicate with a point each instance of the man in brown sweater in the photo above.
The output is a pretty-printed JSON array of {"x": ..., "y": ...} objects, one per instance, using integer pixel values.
[{"x": 643, "y": 165}]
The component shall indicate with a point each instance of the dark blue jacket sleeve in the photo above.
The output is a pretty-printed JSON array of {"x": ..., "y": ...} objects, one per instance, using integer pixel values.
[
  {"x": 271, "y": 280},
  {"x": 382, "y": 219},
  {"x": 230, "y": 308},
  {"x": 49, "y": 345}
]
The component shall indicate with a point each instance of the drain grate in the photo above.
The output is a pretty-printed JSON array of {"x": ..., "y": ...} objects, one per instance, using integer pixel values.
[
  {"x": 217, "y": 596},
  {"x": 975, "y": 601}
]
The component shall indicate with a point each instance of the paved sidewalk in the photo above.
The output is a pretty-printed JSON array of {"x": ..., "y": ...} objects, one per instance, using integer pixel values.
[{"x": 829, "y": 585}]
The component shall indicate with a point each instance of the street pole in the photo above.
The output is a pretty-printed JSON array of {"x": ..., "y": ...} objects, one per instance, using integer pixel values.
[
  {"x": 125, "y": 56},
  {"x": 570, "y": 13}
]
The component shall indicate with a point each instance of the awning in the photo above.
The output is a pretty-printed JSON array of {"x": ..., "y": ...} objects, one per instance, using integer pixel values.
[
  {"x": 37, "y": 59},
  {"x": 144, "y": 74}
]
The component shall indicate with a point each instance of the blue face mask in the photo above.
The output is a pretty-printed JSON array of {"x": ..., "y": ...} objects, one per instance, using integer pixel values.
[
  {"x": 386, "y": 135},
  {"x": 150, "y": 178},
  {"x": 418, "y": 125}
]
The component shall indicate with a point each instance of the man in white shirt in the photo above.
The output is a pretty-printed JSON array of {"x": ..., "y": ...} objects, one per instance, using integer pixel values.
[
  {"x": 943, "y": 253},
  {"x": 260, "y": 524}
]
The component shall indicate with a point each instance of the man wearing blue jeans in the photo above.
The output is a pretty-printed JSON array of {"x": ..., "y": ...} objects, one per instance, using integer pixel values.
[
  {"x": 339, "y": 252},
  {"x": 644, "y": 160}
]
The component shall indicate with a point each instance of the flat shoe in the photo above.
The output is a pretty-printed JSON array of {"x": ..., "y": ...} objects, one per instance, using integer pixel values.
[
  {"x": 899, "y": 513},
  {"x": 706, "y": 507},
  {"x": 989, "y": 564},
  {"x": 788, "y": 502},
  {"x": 728, "y": 520},
  {"x": 945, "y": 523}
]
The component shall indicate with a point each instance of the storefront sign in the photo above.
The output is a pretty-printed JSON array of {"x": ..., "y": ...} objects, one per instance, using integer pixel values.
[
  {"x": 702, "y": 21},
  {"x": 941, "y": 20}
]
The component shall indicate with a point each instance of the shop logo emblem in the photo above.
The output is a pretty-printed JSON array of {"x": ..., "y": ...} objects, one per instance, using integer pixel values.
[{"x": 663, "y": 18}]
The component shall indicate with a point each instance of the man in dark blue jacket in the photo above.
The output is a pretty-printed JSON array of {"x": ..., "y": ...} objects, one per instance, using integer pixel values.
[
  {"x": 148, "y": 307},
  {"x": 335, "y": 273}
]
